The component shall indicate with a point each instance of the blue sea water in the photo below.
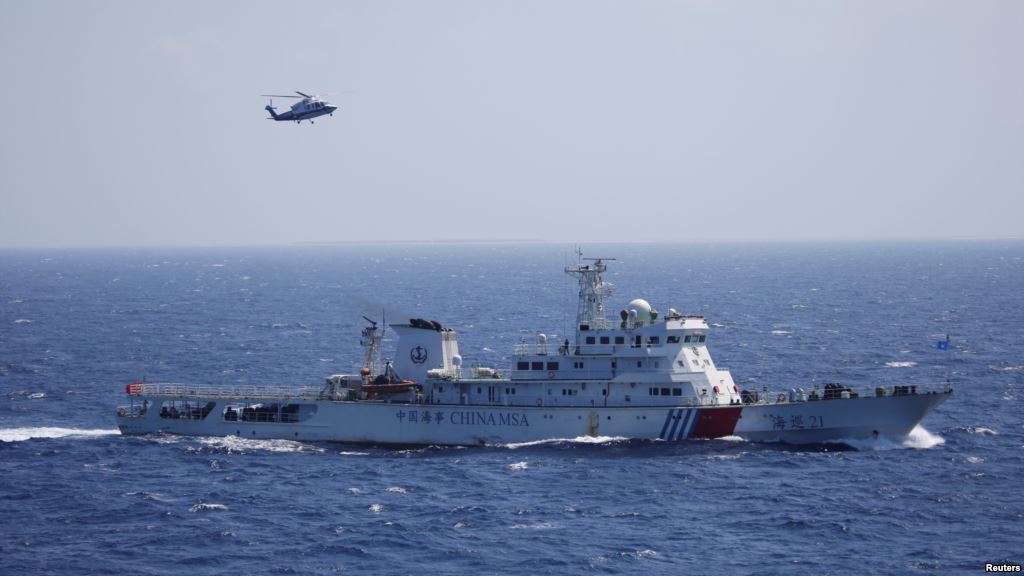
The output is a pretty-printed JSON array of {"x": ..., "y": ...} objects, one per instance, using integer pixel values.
[{"x": 77, "y": 498}]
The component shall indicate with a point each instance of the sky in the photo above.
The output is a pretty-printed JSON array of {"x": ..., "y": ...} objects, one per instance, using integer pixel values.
[{"x": 141, "y": 123}]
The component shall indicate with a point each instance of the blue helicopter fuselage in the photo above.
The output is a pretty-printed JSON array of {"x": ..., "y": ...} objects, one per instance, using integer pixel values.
[{"x": 304, "y": 110}]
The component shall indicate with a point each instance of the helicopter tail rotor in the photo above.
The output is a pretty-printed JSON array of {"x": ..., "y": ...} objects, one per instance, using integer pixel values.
[{"x": 270, "y": 108}]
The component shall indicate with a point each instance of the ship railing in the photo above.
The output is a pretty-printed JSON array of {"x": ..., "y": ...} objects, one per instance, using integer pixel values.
[
  {"x": 559, "y": 349},
  {"x": 844, "y": 392},
  {"x": 205, "y": 391}
]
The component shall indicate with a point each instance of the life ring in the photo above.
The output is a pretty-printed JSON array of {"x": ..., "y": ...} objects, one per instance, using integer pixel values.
[{"x": 551, "y": 373}]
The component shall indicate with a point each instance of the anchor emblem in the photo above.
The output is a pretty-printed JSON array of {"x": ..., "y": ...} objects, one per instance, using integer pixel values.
[{"x": 418, "y": 355}]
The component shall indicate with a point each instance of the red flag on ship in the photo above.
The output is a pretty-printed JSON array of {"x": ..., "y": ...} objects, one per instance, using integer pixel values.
[{"x": 134, "y": 387}]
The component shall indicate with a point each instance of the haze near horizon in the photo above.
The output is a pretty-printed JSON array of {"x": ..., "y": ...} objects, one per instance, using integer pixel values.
[{"x": 142, "y": 123}]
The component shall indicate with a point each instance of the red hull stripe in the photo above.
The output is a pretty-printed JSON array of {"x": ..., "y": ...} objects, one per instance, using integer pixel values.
[{"x": 716, "y": 422}]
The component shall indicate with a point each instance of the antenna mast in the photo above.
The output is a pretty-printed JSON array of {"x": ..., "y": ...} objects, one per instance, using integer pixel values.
[
  {"x": 371, "y": 341},
  {"x": 590, "y": 312}
]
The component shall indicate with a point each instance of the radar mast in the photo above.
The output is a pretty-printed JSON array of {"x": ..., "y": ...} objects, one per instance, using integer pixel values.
[{"x": 590, "y": 313}]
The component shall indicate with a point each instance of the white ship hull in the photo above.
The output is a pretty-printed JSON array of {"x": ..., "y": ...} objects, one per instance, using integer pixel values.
[
  {"x": 644, "y": 376},
  {"x": 439, "y": 424}
]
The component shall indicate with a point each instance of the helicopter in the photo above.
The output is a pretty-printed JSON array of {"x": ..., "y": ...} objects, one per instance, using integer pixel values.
[{"x": 307, "y": 108}]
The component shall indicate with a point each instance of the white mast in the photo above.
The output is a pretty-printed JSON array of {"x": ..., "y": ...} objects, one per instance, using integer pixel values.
[
  {"x": 371, "y": 341},
  {"x": 590, "y": 313}
]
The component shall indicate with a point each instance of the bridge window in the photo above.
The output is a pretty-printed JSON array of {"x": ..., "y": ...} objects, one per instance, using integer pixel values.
[
  {"x": 654, "y": 340},
  {"x": 552, "y": 365},
  {"x": 605, "y": 340},
  {"x": 677, "y": 391},
  {"x": 673, "y": 339},
  {"x": 523, "y": 366},
  {"x": 665, "y": 392},
  {"x": 701, "y": 338},
  {"x": 620, "y": 339},
  {"x": 538, "y": 366},
  {"x": 686, "y": 338},
  {"x": 652, "y": 391},
  {"x": 590, "y": 340}
]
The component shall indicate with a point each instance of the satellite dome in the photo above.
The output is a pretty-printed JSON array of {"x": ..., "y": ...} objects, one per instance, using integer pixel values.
[{"x": 643, "y": 310}]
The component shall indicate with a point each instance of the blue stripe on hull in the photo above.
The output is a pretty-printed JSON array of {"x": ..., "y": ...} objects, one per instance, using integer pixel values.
[
  {"x": 676, "y": 417},
  {"x": 664, "y": 428},
  {"x": 683, "y": 433}
]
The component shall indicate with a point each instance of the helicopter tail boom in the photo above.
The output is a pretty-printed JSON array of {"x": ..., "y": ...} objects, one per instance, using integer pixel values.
[{"x": 270, "y": 109}]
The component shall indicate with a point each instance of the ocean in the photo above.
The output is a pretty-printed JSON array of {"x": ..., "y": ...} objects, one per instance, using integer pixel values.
[{"x": 78, "y": 498}]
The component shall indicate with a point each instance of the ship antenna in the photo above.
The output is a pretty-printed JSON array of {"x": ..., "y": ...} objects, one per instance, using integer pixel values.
[{"x": 590, "y": 312}]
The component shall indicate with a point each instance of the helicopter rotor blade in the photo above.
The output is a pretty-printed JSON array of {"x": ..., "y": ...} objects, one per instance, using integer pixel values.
[
  {"x": 370, "y": 321},
  {"x": 279, "y": 96},
  {"x": 325, "y": 94},
  {"x": 302, "y": 94}
]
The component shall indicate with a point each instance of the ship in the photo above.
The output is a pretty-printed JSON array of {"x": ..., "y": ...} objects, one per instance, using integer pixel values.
[{"x": 642, "y": 375}]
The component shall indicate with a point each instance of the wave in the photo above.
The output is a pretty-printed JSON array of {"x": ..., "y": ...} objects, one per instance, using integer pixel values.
[
  {"x": 519, "y": 465},
  {"x": 234, "y": 444},
  {"x": 577, "y": 440},
  {"x": 974, "y": 430},
  {"x": 203, "y": 507},
  {"x": 901, "y": 364},
  {"x": 22, "y": 321},
  {"x": 534, "y": 526},
  {"x": 1007, "y": 368},
  {"x": 919, "y": 439},
  {"x": 22, "y": 434}
]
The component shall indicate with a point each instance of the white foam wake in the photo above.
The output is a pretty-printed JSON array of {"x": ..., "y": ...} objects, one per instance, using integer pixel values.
[
  {"x": 919, "y": 438},
  {"x": 22, "y": 434},
  {"x": 576, "y": 440},
  {"x": 234, "y": 444}
]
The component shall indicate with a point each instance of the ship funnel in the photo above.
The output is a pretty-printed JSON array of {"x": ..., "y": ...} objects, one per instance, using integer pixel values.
[{"x": 423, "y": 346}]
